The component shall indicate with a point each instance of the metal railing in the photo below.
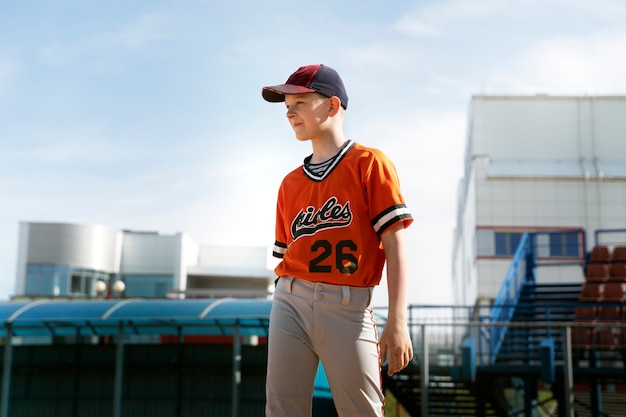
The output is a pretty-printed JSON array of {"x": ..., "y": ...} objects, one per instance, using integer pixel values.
[{"x": 504, "y": 305}]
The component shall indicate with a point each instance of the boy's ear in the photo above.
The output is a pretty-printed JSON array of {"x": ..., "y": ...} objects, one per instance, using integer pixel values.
[{"x": 335, "y": 105}]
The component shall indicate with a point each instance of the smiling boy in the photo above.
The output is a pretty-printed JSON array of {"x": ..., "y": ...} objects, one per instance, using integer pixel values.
[{"x": 340, "y": 217}]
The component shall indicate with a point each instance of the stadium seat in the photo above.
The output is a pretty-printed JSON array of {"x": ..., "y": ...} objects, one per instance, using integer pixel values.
[
  {"x": 604, "y": 338},
  {"x": 613, "y": 292},
  {"x": 586, "y": 313},
  {"x": 582, "y": 338},
  {"x": 621, "y": 339},
  {"x": 621, "y": 333},
  {"x": 617, "y": 272},
  {"x": 609, "y": 312},
  {"x": 591, "y": 292},
  {"x": 597, "y": 272},
  {"x": 619, "y": 254},
  {"x": 600, "y": 254},
  {"x": 612, "y": 297}
]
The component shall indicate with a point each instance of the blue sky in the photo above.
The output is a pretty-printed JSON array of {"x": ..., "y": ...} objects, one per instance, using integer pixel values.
[{"x": 147, "y": 115}]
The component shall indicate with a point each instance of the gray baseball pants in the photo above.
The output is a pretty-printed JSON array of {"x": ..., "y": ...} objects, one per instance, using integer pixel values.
[{"x": 310, "y": 322}]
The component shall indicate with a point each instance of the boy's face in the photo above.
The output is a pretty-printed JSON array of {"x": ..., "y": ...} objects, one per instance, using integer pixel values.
[{"x": 306, "y": 114}]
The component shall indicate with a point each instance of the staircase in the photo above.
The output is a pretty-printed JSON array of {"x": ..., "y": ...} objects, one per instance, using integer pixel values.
[
  {"x": 538, "y": 303},
  {"x": 447, "y": 396},
  {"x": 613, "y": 403}
]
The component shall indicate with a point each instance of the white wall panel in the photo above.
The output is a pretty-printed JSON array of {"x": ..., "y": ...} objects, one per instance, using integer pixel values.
[
  {"x": 518, "y": 128},
  {"x": 150, "y": 253},
  {"x": 610, "y": 123},
  {"x": 87, "y": 246}
]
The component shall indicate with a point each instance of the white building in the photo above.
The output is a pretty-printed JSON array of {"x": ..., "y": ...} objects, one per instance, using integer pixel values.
[
  {"x": 537, "y": 163},
  {"x": 72, "y": 260}
]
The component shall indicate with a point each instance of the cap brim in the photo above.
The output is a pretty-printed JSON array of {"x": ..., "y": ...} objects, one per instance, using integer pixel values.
[{"x": 276, "y": 93}]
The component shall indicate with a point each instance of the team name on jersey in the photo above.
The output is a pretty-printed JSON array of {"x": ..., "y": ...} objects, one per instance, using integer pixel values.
[{"x": 331, "y": 215}]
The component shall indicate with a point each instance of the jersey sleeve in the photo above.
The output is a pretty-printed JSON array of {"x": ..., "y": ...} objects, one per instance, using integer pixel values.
[
  {"x": 280, "y": 244},
  {"x": 382, "y": 187}
]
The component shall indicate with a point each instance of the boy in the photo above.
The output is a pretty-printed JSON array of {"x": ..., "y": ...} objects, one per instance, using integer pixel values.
[{"x": 339, "y": 217}]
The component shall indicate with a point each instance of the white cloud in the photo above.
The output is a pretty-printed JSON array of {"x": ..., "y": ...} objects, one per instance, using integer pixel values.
[
  {"x": 416, "y": 26},
  {"x": 442, "y": 17},
  {"x": 610, "y": 11},
  {"x": 144, "y": 30},
  {"x": 437, "y": 18},
  {"x": 570, "y": 65}
]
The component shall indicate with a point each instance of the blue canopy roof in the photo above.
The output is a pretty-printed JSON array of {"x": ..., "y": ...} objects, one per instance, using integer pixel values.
[{"x": 136, "y": 316}]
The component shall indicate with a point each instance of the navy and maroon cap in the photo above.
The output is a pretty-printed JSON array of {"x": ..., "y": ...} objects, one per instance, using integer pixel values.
[{"x": 309, "y": 79}]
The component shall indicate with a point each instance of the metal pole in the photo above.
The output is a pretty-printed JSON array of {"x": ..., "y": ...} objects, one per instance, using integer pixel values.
[
  {"x": 76, "y": 382},
  {"x": 568, "y": 374},
  {"x": 424, "y": 376},
  {"x": 236, "y": 377},
  {"x": 6, "y": 371},
  {"x": 179, "y": 374},
  {"x": 119, "y": 372}
]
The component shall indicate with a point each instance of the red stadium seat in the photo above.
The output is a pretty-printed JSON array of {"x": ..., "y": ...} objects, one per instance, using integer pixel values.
[
  {"x": 609, "y": 312},
  {"x": 591, "y": 292},
  {"x": 621, "y": 339},
  {"x": 617, "y": 272},
  {"x": 586, "y": 313},
  {"x": 612, "y": 297},
  {"x": 597, "y": 272},
  {"x": 600, "y": 254},
  {"x": 613, "y": 292},
  {"x": 619, "y": 254},
  {"x": 604, "y": 338},
  {"x": 582, "y": 338}
]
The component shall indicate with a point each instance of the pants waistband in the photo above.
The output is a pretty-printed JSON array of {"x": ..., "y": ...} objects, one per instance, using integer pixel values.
[{"x": 332, "y": 293}]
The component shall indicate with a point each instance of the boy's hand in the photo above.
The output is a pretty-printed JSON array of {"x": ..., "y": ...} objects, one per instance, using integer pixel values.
[{"x": 395, "y": 346}]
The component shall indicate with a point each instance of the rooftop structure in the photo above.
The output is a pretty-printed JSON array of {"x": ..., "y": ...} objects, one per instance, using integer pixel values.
[{"x": 90, "y": 261}]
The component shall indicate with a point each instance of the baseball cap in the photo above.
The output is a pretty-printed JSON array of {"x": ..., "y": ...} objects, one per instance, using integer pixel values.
[{"x": 317, "y": 78}]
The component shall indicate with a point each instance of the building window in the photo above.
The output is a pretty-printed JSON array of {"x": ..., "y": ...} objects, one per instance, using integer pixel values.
[
  {"x": 46, "y": 280},
  {"x": 76, "y": 283},
  {"x": 548, "y": 244},
  {"x": 149, "y": 286},
  {"x": 62, "y": 280},
  {"x": 485, "y": 242},
  {"x": 83, "y": 281},
  {"x": 565, "y": 245},
  {"x": 507, "y": 243}
]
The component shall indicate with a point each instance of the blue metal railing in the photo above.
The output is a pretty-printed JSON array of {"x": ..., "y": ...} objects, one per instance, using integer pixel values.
[
  {"x": 616, "y": 236},
  {"x": 519, "y": 272}
]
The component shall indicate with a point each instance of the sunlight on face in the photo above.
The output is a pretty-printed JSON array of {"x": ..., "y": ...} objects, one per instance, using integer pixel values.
[{"x": 306, "y": 114}]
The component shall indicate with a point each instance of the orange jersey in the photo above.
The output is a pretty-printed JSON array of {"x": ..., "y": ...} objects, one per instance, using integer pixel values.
[{"x": 328, "y": 228}]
